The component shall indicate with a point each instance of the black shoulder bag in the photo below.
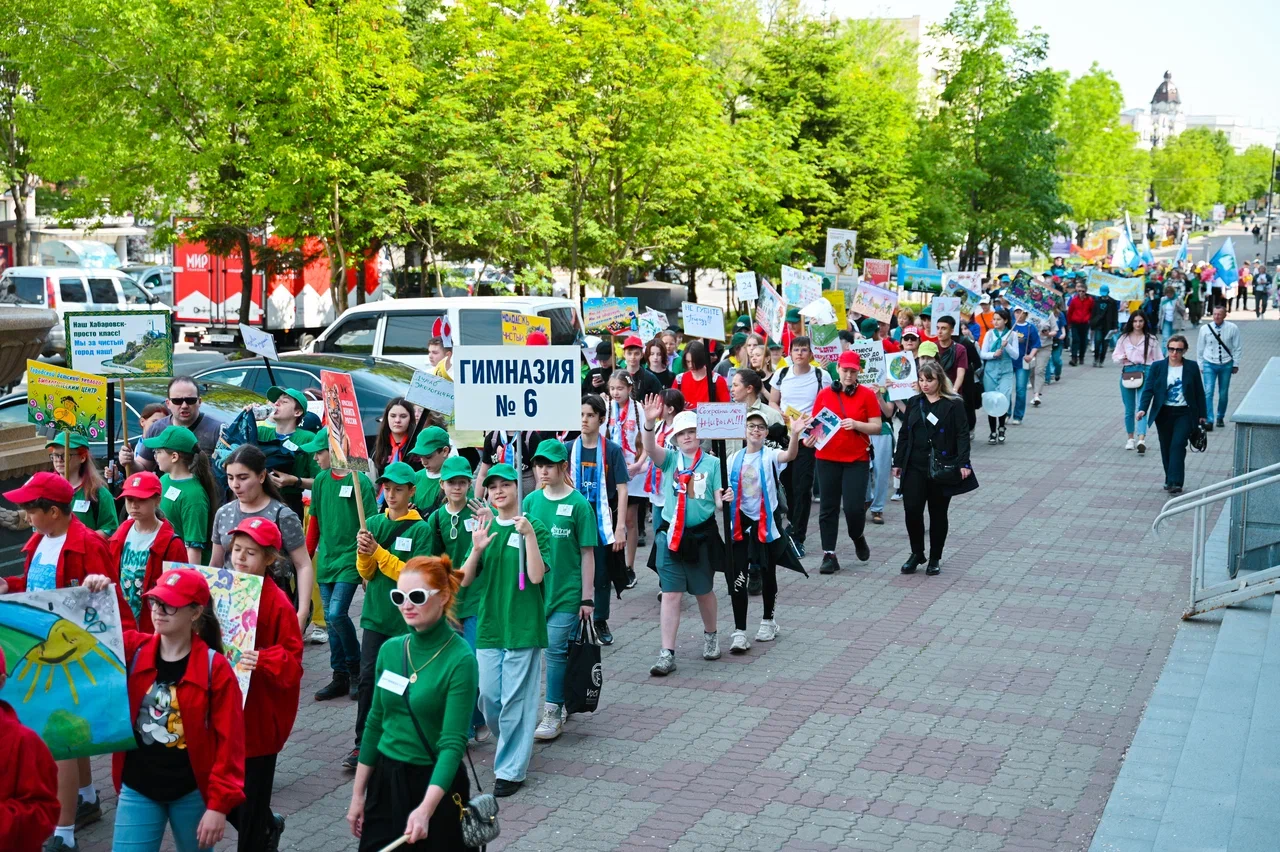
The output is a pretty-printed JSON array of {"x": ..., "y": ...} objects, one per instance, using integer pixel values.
[
  {"x": 940, "y": 471},
  {"x": 479, "y": 817}
]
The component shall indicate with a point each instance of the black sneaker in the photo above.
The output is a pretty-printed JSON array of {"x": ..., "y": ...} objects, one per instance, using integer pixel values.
[
  {"x": 336, "y": 688},
  {"x": 913, "y": 562},
  {"x": 1208, "y": 427},
  {"x": 631, "y": 579},
  {"x": 1220, "y": 423},
  {"x": 57, "y": 844},
  {"x": 352, "y": 760},
  {"x": 87, "y": 813},
  {"x": 933, "y": 568},
  {"x": 355, "y": 686},
  {"x": 602, "y": 631},
  {"x": 274, "y": 832},
  {"x": 830, "y": 564},
  {"x": 502, "y": 787},
  {"x": 991, "y": 439},
  {"x": 861, "y": 548},
  {"x": 755, "y": 580},
  {"x": 643, "y": 539},
  {"x": 799, "y": 542}
]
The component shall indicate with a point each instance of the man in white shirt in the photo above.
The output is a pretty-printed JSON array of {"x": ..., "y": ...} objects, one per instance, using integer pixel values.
[
  {"x": 797, "y": 386},
  {"x": 1219, "y": 349}
]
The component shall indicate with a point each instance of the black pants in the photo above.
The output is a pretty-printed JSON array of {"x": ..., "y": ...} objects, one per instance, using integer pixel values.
[
  {"x": 993, "y": 422},
  {"x": 1173, "y": 425},
  {"x": 253, "y": 817},
  {"x": 738, "y": 571},
  {"x": 370, "y": 644},
  {"x": 797, "y": 484},
  {"x": 395, "y": 790},
  {"x": 1079, "y": 340},
  {"x": 1242, "y": 298},
  {"x": 837, "y": 479},
  {"x": 918, "y": 493}
]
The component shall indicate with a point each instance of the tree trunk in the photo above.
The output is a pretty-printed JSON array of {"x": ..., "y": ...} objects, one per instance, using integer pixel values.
[
  {"x": 360, "y": 282},
  {"x": 1006, "y": 255},
  {"x": 21, "y": 238},
  {"x": 246, "y": 279},
  {"x": 337, "y": 258},
  {"x": 970, "y": 253},
  {"x": 693, "y": 285}
]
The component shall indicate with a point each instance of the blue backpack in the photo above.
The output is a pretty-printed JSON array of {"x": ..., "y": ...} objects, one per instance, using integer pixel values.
[{"x": 242, "y": 430}]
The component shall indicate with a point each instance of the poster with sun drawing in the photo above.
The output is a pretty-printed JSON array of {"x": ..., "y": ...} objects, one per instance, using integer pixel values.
[
  {"x": 235, "y": 598},
  {"x": 65, "y": 668}
]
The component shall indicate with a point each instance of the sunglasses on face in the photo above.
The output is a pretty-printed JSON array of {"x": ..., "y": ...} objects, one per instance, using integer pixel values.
[
  {"x": 184, "y": 400},
  {"x": 417, "y": 597},
  {"x": 1177, "y": 349}
]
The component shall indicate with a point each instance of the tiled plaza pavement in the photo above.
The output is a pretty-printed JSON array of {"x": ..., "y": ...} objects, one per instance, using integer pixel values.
[{"x": 987, "y": 708}]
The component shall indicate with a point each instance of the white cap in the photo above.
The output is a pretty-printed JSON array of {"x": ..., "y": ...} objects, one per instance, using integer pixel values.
[
  {"x": 985, "y": 299},
  {"x": 684, "y": 420}
]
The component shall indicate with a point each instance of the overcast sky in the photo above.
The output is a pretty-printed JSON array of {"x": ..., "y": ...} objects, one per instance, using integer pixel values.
[{"x": 1224, "y": 56}]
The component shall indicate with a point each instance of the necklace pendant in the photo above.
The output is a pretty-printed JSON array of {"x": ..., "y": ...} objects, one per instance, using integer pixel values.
[{"x": 413, "y": 678}]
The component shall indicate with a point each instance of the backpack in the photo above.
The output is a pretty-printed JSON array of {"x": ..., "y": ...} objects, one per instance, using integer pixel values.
[
  {"x": 242, "y": 430},
  {"x": 782, "y": 374}
]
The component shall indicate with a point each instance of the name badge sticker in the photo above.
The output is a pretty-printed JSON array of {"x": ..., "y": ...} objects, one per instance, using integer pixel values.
[
  {"x": 345, "y": 491},
  {"x": 290, "y": 445},
  {"x": 565, "y": 511},
  {"x": 513, "y": 540},
  {"x": 80, "y": 506},
  {"x": 393, "y": 682},
  {"x": 932, "y": 418},
  {"x": 404, "y": 543},
  {"x": 470, "y": 524},
  {"x": 173, "y": 493}
]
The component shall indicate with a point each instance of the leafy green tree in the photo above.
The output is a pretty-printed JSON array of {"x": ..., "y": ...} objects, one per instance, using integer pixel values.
[
  {"x": 1103, "y": 171},
  {"x": 1186, "y": 172},
  {"x": 18, "y": 116},
  {"x": 1253, "y": 170}
]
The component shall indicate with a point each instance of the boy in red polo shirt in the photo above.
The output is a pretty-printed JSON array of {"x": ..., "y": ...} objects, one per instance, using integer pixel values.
[
  {"x": 60, "y": 554},
  {"x": 28, "y": 791}
]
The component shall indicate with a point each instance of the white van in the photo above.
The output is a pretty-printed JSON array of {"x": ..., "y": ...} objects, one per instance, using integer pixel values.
[
  {"x": 70, "y": 289},
  {"x": 400, "y": 328}
]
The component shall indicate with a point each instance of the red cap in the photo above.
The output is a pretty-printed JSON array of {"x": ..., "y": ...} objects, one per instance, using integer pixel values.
[
  {"x": 849, "y": 361},
  {"x": 536, "y": 338},
  {"x": 911, "y": 330},
  {"x": 262, "y": 531},
  {"x": 633, "y": 342},
  {"x": 44, "y": 485},
  {"x": 180, "y": 587},
  {"x": 141, "y": 485}
]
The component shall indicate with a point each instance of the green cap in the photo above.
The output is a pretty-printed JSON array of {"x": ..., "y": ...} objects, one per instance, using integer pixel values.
[
  {"x": 454, "y": 467},
  {"x": 551, "y": 450},
  {"x": 926, "y": 311},
  {"x": 318, "y": 444},
  {"x": 80, "y": 441},
  {"x": 180, "y": 439},
  {"x": 869, "y": 327},
  {"x": 793, "y": 315},
  {"x": 742, "y": 322},
  {"x": 429, "y": 440},
  {"x": 738, "y": 339},
  {"x": 500, "y": 471},
  {"x": 297, "y": 396},
  {"x": 399, "y": 473}
]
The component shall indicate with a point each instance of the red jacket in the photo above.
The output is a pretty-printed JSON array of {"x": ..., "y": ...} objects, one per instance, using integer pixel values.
[
  {"x": 167, "y": 547},
  {"x": 272, "y": 703},
  {"x": 28, "y": 785},
  {"x": 85, "y": 552},
  {"x": 1080, "y": 309},
  {"x": 214, "y": 734}
]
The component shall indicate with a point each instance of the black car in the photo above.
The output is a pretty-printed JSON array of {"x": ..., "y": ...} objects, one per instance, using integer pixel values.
[
  {"x": 377, "y": 381},
  {"x": 218, "y": 400}
]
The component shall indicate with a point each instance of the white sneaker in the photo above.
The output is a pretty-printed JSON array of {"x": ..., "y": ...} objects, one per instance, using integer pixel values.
[
  {"x": 740, "y": 645},
  {"x": 1128, "y": 445},
  {"x": 550, "y": 726},
  {"x": 317, "y": 635},
  {"x": 710, "y": 646},
  {"x": 768, "y": 631},
  {"x": 1014, "y": 421}
]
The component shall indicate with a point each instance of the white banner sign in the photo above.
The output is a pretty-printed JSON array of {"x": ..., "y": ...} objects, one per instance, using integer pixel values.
[
  {"x": 431, "y": 391},
  {"x": 840, "y": 248},
  {"x": 900, "y": 374},
  {"x": 703, "y": 321},
  {"x": 748, "y": 290},
  {"x": 652, "y": 323},
  {"x": 259, "y": 342},
  {"x": 944, "y": 306},
  {"x": 722, "y": 420},
  {"x": 120, "y": 343},
  {"x": 800, "y": 287},
  {"x": 512, "y": 387},
  {"x": 872, "y": 354}
]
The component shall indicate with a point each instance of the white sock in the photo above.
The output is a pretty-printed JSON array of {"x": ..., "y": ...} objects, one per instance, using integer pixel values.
[
  {"x": 67, "y": 833},
  {"x": 89, "y": 794}
]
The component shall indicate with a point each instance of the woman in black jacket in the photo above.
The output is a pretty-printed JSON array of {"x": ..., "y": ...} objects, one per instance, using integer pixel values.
[{"x": 935, "y": 419}]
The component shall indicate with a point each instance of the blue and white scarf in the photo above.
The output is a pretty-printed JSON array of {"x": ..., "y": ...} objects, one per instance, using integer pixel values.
[
  {"x": 768, "y": 486},
  {"x": 600, "y": 477}
]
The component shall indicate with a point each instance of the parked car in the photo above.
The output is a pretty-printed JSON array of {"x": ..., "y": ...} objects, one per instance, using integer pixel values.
[
  {"x": 71, "y": 289},
  {"x": 399, "y": 329},
  {"x": 219, "y": 400},
  {"x": 376, "y": 380}
]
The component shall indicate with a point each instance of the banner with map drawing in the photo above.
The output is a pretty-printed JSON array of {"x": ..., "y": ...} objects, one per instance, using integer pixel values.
[
  {"x": 120, "y": 343},
  {"x": 234, "y": 597},
  {"x": 65, "y": 669}
]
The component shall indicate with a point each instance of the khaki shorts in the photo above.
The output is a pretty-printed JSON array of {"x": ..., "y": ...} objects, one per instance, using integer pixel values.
[{"x": 675, "y": 576}]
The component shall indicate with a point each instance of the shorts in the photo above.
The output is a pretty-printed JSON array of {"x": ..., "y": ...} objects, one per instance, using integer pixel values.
[
  {"x": 640, "y": 500},
  {"x": 675, "y": 576}
]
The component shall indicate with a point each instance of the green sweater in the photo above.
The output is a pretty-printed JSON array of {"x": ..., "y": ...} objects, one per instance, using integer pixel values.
[
  {"x": 333, "y": 510},
  {"x": 442, "y": 700},
  {"x": 100, "y": 517}
]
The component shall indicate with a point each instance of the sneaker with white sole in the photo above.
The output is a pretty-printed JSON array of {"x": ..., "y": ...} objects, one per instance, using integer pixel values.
[
  {"x": 317, "y": 635},
  {"x": 666, "y": 664},
  {"x": 1015, "y": 421},
  {"x": 768, "y": 631},
  {"x": 739, "y": 645},
  {"x": 710, "y": 646},
  {"x": 1142, "y": 446},
  {"x": 1128, "y": 445},
  {"x": 550, "y": 725}
]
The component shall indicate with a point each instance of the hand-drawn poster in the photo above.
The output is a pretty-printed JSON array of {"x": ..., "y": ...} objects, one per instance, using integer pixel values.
[
  {"x": 799, "y": 287},
  {"x": 900, "y": 369},
  {"x": 824, "y": 425},
  {"x": 873, "y": 301},
  {"x": 872, "y": 354},
  {"x": 771, "y": 311},
  {"x": 745, "y": 283},
  {"x": 841, "y": 245},
  {"x": 516, "y": 328},
  {"x": 1119, "y": 287},
  {"x": 66, "y": 400},
  {"x": 944, "y": 306},
  {"x": 825, "y": 340},
  {"x": 65, "y": 668},
  {"x": 347, "y": 449},
  {"x": 235, "y": 597},
  {"x": 876, "y": 271},
  {"x": 652, "y": 323},
  {"x": 916, "y": 279},
  {"x": 837, "y": 300},
  {"x": 610, "y": 316},
  {"x": 120, "y": 343},
  {"x": 1036, "y": 299},
  {"x": 967, "y": 286}
]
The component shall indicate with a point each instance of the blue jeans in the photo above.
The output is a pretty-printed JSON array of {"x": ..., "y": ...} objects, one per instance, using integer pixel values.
[
  {"x": 140, "y": 822},
  {"x": 1053, "y": 367},
  {"x": 1021, "y": 375},
  {"x": 1221, "y": 375},
  {"x": 344, "y": 648},
  {"x": 509, "y": 681},
  {"x": 469, "y": 633},
  {"x": 1166, "y": 331},
  {"x": 561, "y": 627},
  {"x": 1130, "y": 398}
]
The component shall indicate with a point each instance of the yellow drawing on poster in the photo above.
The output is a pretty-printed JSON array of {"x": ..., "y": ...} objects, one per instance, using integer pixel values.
[
  {"x": 516, "y": 327},
  {"x": 66, "y": 400}
]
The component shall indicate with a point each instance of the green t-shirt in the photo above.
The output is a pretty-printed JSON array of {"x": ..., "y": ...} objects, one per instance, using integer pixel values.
[
  {"x": 186, "y": 505},
  {"x": 700, "y": 500},
  {"x": 303, "y": 465},
  {"x": 333, "y": 506},
  {"x": 509, "y": 617},
  {"x": 447, "y": 535},
  {"x": 572, "y": 526},
  {"x": 100, "y": 516},
  {"x": 379, "y": 612},
  {"x": 427, "y": 494}
]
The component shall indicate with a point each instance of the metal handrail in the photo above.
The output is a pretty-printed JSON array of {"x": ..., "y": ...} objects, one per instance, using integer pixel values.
[
  {"x": 1182, "y": 498},
  {"x": 1186, "y": 507}
]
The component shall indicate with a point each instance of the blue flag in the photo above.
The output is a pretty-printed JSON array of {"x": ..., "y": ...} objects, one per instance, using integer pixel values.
[
  {"x": 1182, "y": 250},
  {"x": 1224, "y": 264},
  {"x": 1126, "y": 254}
]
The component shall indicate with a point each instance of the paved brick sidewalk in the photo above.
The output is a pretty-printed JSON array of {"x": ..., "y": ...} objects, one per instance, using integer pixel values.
[{"x": 986, "y": 708}]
